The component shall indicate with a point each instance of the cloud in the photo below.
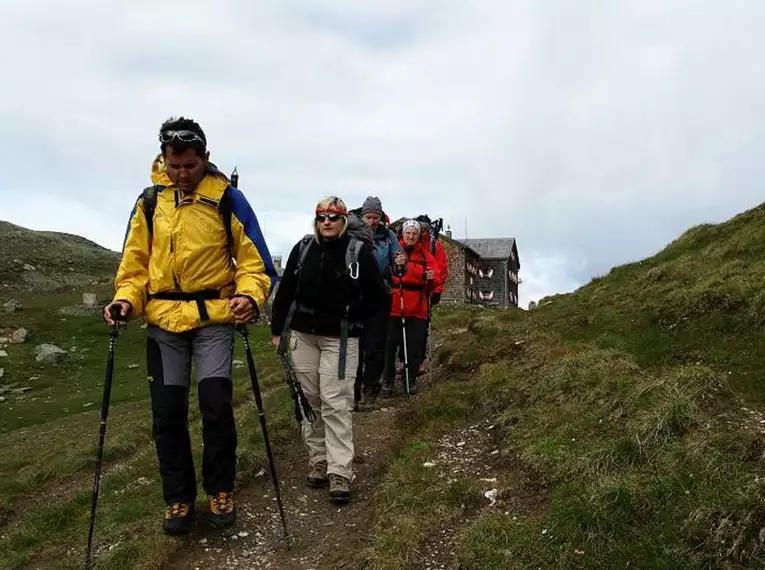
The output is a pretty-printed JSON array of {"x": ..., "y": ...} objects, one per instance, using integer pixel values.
[{"x": 592, "y": 132}]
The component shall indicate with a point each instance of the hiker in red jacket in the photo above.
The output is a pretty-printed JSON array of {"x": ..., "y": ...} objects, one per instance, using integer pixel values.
[
  {"x": 436, "y": 248},
  {"x": 414, "y": 286}
]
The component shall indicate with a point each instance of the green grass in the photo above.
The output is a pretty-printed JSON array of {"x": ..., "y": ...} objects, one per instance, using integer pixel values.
[
  {"x": 618, "y": 409},
  {"x": 48, "y": 439}
]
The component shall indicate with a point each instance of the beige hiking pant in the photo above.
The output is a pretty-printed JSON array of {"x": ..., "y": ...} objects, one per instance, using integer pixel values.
[{"x": 330, "y": 438}]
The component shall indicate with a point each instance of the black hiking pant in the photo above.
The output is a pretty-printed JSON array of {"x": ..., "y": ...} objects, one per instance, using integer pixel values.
[
  {"x": 372, "y": 350},
  {"x": 169, "y": 358},
  {"x": 416, "y": 330}
]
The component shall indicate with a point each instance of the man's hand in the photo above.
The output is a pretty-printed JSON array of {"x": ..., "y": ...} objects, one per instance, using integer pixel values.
[
  {"x": 400, "y": 258},
  {"x": 429, "y": 275},
  {"x": 242, "y": 309},
  {"x": 124, "y": 311},
  {"x": 275, "y": 340}
]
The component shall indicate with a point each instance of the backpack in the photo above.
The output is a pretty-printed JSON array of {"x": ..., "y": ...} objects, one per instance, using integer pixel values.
[{"x": 149, "y": 195}]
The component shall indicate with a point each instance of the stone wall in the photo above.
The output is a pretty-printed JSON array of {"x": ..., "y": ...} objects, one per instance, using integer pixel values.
[{"x": 454, "y": 289}]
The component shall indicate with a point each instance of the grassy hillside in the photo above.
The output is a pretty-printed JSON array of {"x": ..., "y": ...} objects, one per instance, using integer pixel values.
[
  {"x": 622, "y": 423},
  {"x": 47, "y": 261}
]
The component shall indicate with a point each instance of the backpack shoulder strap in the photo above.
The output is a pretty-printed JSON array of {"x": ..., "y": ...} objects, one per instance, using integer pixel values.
[
  {"x": 305, "y": 243},
  {"x": 149, "y": 196},
  {"x": 352, "y": 256},
  {"x": 225, "y": 209}
]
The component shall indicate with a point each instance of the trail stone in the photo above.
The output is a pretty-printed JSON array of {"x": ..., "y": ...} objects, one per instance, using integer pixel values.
[
  {"x": 90, "y": 300},
  {"x": 3, "y": 354},
  {"x": 20, "y": 335},
  {"x": 238, "y": 363},
  {"x": 12, "y": 306},
  {"x": 49, "y": 354},
  {"x": 29, "y": 267},
  {"x": 2, "y": 372}
]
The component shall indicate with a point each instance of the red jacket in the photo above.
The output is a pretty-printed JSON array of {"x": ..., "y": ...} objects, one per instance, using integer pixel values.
[
  {"x": 416, "y": 288},
  {"x": 442, "y": 265}
]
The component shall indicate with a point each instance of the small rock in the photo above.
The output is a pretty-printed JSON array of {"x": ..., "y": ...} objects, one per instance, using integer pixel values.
[
  {"x": 2, "y": 398},
  {"x": 132, "y": 366},
  {"x": 49, "y": 354},
  {"x": 12, "y": 306},
  {"x": 3, "y": 354},
  {"x": 29, "y": 267},
  {"x": 238, "y": 363},
  {"x": 2, "y": 372},
  {"x": 20, "y": 335},
  {"x": 3, "y": 340}
]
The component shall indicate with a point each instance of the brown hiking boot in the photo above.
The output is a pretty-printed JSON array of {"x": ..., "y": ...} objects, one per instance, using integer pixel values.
[
  {"x": 317, "y": 476},
  {"x": 222, "y": 510},
  {"x": 339, "y": 488},
  {"x": 178, "y": 518}
]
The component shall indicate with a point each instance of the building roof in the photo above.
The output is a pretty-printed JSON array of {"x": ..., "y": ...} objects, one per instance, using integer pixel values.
[{"x": 491, "y": 248}]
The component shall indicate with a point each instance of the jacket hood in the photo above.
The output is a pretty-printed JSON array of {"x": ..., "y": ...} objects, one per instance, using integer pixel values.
[{"x": 159, "y": 172}]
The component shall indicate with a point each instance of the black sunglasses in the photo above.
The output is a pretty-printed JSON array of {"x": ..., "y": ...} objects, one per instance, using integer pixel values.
[
  {"x": 183, "y": 136},
  {"x": 330, "y": 217}
]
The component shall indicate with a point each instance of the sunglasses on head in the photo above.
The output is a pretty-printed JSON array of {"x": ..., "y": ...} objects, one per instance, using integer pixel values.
[
  {"x": 330, "y": 217},
  {"x": 183, "y": 136}
]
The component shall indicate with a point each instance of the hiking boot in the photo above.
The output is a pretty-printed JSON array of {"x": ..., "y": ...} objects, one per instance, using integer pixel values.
[
  {"x": 317, "y": 476},
  {"x": 222, "y": 510},
  {"x": 339, "y": 488},
  {"x": 369, "y": 398},
  {"x": 387, "y": 388},
  {"x": 178, "y": 518}
]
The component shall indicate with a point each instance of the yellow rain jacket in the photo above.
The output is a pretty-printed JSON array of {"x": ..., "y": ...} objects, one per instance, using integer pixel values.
[{"x": 188, "y": 254}]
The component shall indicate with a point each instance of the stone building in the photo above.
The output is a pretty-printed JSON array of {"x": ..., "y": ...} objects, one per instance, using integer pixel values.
[{"x": 481, "y": 271}]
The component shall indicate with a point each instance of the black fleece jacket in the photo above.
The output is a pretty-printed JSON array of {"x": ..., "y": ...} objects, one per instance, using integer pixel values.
[{"x": 325, "y": 289}]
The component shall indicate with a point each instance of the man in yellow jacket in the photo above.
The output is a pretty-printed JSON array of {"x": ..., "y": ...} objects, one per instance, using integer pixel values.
[{"x": 193, "y": 269}]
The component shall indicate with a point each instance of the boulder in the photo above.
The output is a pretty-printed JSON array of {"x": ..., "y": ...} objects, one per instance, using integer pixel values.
[
  {"x": 12, "y": 306},
  {"x": 90, "y": 300},
  {"x": 49, "y": 353},
  {"x": 20, "y": 335}
]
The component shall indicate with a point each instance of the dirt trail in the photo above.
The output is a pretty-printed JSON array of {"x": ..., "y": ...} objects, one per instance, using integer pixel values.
[{"x": 324, "y": 535}]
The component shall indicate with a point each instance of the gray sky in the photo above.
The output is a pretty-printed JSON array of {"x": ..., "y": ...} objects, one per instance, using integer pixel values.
[{"x": 593, "y": 131}]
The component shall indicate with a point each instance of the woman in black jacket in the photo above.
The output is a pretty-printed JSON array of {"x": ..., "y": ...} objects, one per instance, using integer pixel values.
[{"x": 325, "y": 301}]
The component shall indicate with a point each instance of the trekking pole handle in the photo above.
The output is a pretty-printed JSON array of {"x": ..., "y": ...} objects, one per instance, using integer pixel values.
[{"x": 115, "y": 312}]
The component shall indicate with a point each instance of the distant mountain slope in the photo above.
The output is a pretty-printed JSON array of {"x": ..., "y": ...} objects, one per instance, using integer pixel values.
[{"x": 46, "y": 261}]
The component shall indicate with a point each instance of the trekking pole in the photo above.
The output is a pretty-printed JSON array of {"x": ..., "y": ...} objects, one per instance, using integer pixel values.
[
  {"x": 116, "y": 315},
  {"x": 262, "y": 416},
  {"x": 403, "y": 332},
  {"x": 430, "y": 346}
]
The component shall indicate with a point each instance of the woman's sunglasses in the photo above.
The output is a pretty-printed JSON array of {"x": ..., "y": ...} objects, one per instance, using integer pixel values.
[{"x": 330, "y": 217}]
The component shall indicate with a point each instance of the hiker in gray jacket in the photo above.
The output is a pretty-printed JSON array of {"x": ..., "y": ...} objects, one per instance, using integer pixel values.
[{"x": 388, "y": 255}]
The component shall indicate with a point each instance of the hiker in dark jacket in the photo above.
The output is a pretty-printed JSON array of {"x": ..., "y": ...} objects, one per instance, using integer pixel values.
[
  {"x": 389, "y": 255},
  {"x": 330, "y": 301}
]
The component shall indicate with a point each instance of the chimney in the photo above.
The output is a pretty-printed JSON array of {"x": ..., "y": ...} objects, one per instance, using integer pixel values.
[{"x": 449, "y": 231}]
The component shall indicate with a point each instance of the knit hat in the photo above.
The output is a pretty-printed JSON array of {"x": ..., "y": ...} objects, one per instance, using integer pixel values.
[
  {"x": 372, "y": 204},
  {"x": 411, "y": 224}
]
